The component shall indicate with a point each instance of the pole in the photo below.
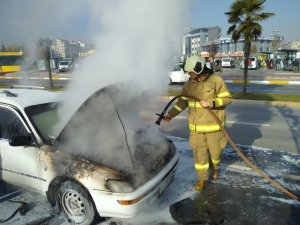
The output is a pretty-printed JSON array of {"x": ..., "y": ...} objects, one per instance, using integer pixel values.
[{"x": 50, "y": 61}]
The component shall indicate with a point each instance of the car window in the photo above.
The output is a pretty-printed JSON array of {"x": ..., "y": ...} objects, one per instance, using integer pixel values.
[
  {"x": 11, "y": 124},
  {"x": 226, "y": 60},
  {"x": 44, "y": 118}
]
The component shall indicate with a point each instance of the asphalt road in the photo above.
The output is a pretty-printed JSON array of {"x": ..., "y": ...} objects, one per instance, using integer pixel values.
[
  {"x": 62, "y": 79},
  {"x": 248, "y": 123},
  {"x": 254, "y": 88},
  {"x": 240, "y": 196}
]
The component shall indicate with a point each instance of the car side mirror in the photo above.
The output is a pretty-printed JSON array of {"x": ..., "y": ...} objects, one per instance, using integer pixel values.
[{"x": 21, "y": 141}]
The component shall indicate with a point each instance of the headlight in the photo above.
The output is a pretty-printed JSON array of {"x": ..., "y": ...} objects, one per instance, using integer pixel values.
[{"x": 119, "y": 186}]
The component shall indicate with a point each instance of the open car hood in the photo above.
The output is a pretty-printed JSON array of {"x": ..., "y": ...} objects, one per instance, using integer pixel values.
[{"x": 106, "y": 130}]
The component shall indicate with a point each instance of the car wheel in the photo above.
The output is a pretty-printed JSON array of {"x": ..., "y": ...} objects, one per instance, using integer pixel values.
[{"x": 75, "y": 203}]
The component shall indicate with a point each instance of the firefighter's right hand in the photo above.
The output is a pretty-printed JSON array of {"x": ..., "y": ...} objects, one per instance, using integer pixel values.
[{"x": 167, "y": 118}]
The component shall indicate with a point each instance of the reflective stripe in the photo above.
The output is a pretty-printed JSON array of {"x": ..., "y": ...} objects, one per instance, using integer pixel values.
[
  {"x": 205, "y": 128},
  {"x": 177, "y": 108},
  {"x": 216, "y": 162},
  {"x": 224, "y": 94},
  {"x": 194, "y": 104},
  {"x": 219, "y": 102},
  {"x": 184, "y": 98},
  {"x": 202, "y": 166}
]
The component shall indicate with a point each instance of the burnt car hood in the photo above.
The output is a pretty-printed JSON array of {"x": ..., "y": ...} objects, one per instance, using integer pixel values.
[{"x": 106, "y": 130}]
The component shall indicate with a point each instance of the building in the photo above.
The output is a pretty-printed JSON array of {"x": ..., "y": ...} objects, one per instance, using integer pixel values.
[
  {"x": 67, "y": 49},
  {"x": 229, "y": 48},
  {"x": 199, "y": 41},
  {"x": 193, "y": 39}
]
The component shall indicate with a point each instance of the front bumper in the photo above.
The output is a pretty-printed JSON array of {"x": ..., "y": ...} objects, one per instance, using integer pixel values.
[{"x": 107, "y": 203}]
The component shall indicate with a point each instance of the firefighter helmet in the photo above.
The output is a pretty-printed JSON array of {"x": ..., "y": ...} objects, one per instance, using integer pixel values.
[{"x": 194, "y": 64}]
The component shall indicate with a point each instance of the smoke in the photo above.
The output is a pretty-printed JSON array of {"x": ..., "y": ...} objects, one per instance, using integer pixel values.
[
  {"x": 135, "y": 42},
  {"x": 134, "y": 46}
]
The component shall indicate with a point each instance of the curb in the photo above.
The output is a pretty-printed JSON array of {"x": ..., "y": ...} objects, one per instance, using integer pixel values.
[
  {"x": 228, "y": 81},
  {"x": 269, "y": 103},
  {"x": 272, "y": 82},
  {"x": 55, "y": 77}
]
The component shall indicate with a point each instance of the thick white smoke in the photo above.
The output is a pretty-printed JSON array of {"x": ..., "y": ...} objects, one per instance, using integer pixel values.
[
  {"x": 136, "y": 41},
  {"x": 135, "y": 45}
]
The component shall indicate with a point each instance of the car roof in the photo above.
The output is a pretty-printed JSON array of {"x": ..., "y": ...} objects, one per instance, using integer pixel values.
[{"x": 26, "y": 97}]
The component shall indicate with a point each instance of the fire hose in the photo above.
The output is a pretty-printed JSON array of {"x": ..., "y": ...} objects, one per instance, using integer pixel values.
[{"x": 239, "y": 152}]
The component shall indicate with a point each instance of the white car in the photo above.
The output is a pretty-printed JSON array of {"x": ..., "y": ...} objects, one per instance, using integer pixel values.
[
  {"x": 80, "y": 170},
  {"x": 252, "y": 63},
  {"x": 65, "y": 66},
  {"x": 226, "y": 62},
  {"x": 177, "y": 75}
]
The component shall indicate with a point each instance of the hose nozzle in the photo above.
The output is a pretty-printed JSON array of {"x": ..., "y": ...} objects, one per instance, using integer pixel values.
[{"x": 160, "y": 117}]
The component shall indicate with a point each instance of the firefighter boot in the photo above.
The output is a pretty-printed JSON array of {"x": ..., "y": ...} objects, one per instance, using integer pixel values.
[
  {"x": 214, "y": 173},
  {"x": 200, "y": 185}
]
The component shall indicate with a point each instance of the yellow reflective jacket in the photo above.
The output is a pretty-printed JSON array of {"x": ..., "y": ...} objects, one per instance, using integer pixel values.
[{"x": 214, "y": 90}]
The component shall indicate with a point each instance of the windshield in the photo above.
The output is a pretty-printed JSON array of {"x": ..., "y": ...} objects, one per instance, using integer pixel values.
[
  {"x": 64, "y": 63},
  {"x": 226, "y": 60},
  {"x": 44, "y": 118}
]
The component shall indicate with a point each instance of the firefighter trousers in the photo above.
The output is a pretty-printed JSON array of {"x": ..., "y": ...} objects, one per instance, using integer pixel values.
[{"x": 207, "y": 149}]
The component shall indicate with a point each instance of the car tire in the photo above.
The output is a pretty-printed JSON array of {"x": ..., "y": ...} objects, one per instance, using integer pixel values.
[{"x": 75, "y": 204}]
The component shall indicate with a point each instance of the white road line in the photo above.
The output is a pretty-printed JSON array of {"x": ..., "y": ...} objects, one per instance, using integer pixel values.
[{"x": 235, "y": 122}]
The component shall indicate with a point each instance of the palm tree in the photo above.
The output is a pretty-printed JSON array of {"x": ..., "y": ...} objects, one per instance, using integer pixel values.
[{"x": 245, "y": 15}]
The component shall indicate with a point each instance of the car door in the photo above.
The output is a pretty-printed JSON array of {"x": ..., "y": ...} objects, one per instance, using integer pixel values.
[{"x": 18, "y": 164}]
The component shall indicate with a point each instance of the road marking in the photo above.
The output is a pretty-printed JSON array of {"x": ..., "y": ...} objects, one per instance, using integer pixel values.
[
  {"x": 235, "y": 122},
  {"x": 35, "y": 78},
  {"x": 271, "y": 82},
  {"x": 253, "y": 124}
]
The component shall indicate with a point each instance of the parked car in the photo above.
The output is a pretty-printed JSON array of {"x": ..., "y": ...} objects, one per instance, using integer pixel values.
[
  {"x": 226, "y": 62},
  {"x": 177, "y": 75},
  {"x": 96, "y": 164},
  {"x": 65, "y": 66},
  {"x": 252, "y": 63}
]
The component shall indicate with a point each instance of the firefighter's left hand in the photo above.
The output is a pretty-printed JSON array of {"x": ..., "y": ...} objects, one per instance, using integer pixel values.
[{"x": 204, "y": 103}]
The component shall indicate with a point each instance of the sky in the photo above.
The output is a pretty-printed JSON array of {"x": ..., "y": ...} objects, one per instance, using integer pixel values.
[
  {"x": 28, "y": 20},
  {"x": 286, "y": 19}
]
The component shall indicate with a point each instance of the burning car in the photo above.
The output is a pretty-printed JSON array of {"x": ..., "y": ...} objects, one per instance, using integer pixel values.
[{"x": 100, "y": 163}]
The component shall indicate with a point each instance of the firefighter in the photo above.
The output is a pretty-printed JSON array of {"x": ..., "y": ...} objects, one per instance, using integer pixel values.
[{"x": 206, "y": 138}]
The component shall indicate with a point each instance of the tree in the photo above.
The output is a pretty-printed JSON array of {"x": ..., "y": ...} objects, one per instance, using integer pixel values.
[
  {"x": 44, "y": 52},
  {"x": 253, "y": 50},
  {"x": 212, "y": 50},
  {"x": 245, "y": 16}
]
